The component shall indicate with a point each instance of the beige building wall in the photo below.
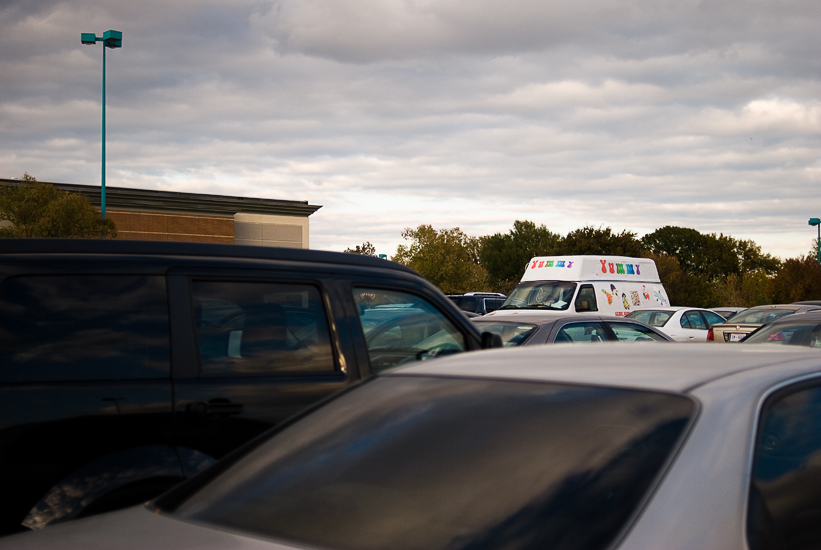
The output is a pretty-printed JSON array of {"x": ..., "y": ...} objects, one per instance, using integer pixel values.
[{"x": 270, "y": 230}]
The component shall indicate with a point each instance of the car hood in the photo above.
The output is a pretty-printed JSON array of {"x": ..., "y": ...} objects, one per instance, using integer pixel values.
[{"x": 135, "y": 528}]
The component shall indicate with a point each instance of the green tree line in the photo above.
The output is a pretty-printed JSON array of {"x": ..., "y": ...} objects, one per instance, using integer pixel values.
[{"x": 697, "y": 269}]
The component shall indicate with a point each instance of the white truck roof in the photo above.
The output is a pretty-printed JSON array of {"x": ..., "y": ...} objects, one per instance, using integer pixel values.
[{"x": 591, "y": 268}]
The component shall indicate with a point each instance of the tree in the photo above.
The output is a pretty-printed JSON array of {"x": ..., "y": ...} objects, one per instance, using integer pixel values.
[
  {"x": 591, "y": 240},
  {"x": 505, "y": 256},
  {"x": 799, "y": 279},
  {"x": 39, "y": 210},
  {"x": 712, "y": 256},
  {"x": 448, "y": 258},
  {"x": 367, "y": 249}
]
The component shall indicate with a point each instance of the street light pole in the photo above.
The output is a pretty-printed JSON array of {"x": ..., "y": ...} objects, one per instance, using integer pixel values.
[
  {"x": 110, "y": 39},
  {"x": 817, "y": 222}
]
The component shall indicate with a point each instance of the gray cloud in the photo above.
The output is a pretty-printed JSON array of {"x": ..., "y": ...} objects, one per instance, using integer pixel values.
[{"x": 633, "y": 114}]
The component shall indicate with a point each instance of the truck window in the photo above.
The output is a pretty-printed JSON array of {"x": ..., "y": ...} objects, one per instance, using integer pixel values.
[{"x": 586, "y": 294}]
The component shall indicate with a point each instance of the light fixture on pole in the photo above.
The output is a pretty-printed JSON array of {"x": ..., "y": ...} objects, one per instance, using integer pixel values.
[
  {"x": 110, "y": 39},
  {"x": 817, "y": 222}
]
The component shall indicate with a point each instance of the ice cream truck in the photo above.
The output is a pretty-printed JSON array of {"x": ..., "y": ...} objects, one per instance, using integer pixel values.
[{"x": 604, "y": 285}]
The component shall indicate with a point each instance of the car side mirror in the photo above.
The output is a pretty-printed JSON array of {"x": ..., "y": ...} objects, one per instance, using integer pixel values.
[
  {"x": 584, "y": 305},
  {"x": 491, "y": 340}
]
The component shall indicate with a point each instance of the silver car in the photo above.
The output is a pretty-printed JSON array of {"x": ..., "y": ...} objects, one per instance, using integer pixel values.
[{"x": 617, "y": 446}]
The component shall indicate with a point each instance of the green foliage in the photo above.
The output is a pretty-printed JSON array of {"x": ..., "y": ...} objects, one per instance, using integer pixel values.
[
  {"x": 696, "y": 269},
  {"x": 505, "y": 256},
  {"x": 39, "y": 210},
  {"x": 367, "y": 249},
  {"x": 799, "y": 279},
  {"x": 745, "y": 290},
  {"x": 447, "y": 258},
  {"x": 591, "y": 240},
  {"x": 712, "y": 256}
]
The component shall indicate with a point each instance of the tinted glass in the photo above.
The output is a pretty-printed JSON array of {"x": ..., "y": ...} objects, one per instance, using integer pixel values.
[
  {"x": 581, "y": 332},
  {"x": 411, "y": 463},
  {"x": 651, "y": 317},
  {"x": 628, "y": 332},
  {"x": 492, "y": 304},
  {"x": 402, "y": 328},
  {"x": 83, "y": 327},
  {"x": 694, "y": 320},
  {"x": 260, "y": 328},
  {"x": 712, "y": 318},
  {"x": 785, "y": 497},
  {"x": 553, "y": 295},
  {"x": 513, "y": 334},
  {"x": 798, "y": 333}
]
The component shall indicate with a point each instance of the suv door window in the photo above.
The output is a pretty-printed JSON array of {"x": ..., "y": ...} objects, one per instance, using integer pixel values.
[
  {"x": 401, "y": 328},
  {"x": 260, "y": 328},
  {"x": 83, "y": 327},
  {"x": 785, "y": 496}
]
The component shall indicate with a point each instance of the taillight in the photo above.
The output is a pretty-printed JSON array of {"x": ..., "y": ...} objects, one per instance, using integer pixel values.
[{"x": 710, "y": 334}]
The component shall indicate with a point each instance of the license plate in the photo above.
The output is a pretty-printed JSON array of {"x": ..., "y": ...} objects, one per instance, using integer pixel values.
[{"x": 737, "y": 337}]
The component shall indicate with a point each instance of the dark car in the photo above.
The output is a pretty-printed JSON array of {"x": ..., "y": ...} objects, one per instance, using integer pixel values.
[
  {"x": 536, "y": 329},
  {"x": 126, "y": 367},
  {"x": 793, "y": 330},
  {"x": 479, "y": 303}
]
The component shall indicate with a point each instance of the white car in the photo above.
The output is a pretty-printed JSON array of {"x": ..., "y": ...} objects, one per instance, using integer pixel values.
[
  {"x": 682, "y": 324},
  {"x": 611, "y": 446}
]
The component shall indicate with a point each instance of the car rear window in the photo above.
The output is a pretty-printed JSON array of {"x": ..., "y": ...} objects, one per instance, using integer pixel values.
[
  {"x": 759, "y": 316},
  {"x": 409, "y": 462},
  {"x": 798, "y": 333}
]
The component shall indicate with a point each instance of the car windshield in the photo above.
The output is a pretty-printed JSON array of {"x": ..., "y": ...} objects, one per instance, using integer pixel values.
[
  {"x": 759, "y": 316},
  {"x": 652, "y": 317},
  {"x": 555, "y": 295},
  {"x": 513, "y": 334},
  {"x": 435, "y": 463},
  {"x": 798, "y": 333}
]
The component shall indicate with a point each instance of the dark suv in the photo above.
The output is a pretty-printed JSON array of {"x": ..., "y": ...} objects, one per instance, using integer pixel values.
[
  {"x": 479, "y": 303},
  {"x": 126, "y": 367}
]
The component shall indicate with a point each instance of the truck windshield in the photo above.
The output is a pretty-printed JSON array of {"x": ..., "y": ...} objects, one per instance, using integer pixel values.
[{"x": 554, "y": 295}]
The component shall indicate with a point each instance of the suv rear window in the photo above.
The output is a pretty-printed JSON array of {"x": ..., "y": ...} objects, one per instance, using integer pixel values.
[
  {"x": 83, "y": 327},
  {"x": 410, "y": 462}
]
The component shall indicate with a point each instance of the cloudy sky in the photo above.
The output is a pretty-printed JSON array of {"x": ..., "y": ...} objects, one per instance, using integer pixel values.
[{"x": 632, "y": 114}]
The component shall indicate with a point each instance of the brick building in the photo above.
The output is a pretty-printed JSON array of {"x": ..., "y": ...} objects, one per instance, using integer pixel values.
[{"x": 192, "y": 217}]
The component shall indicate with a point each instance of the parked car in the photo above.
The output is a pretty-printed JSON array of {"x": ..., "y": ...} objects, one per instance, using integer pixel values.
[
  {"x": 536, "y": 329},
  {"x": 740, "y": 325},
  {"x": 682, "y": 324},
  {"x": 792, "y": 330},
  {"x": 728, "y": 312},
  {"x": 584, "y": 447},
  {"x": 126, "y": 367},
  {"x": 479, "y": 303}
]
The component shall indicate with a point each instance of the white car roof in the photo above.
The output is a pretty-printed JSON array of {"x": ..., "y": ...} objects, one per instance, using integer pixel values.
[{"x": 644, "y": 365}]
